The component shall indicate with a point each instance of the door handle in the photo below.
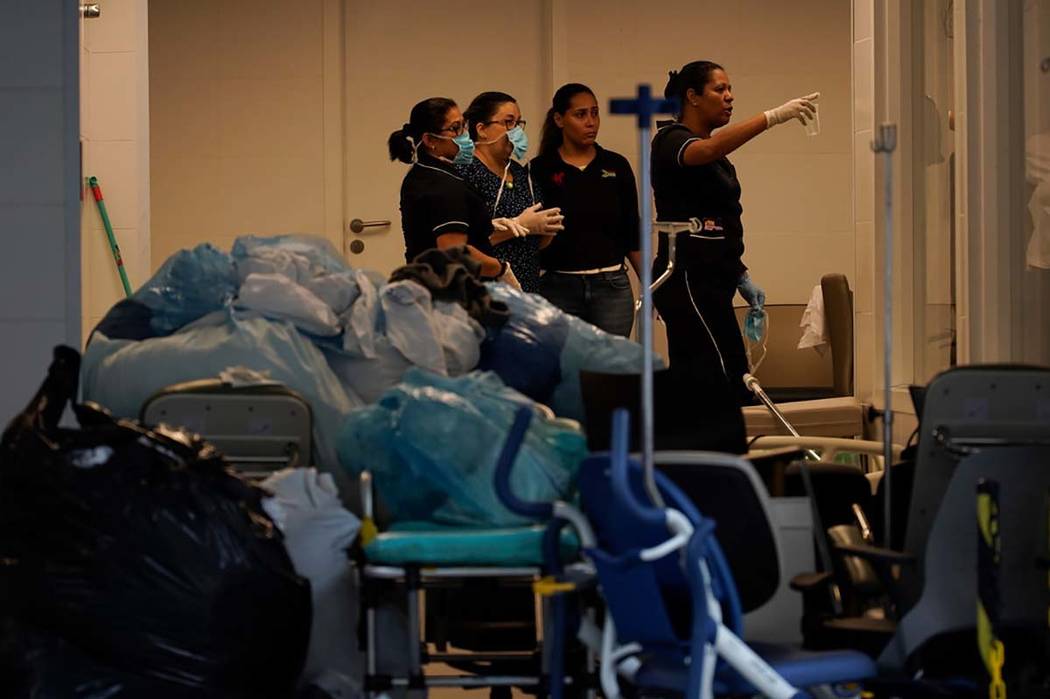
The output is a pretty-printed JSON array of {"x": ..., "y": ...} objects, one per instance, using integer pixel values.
[{"x": 357, "y": 225}]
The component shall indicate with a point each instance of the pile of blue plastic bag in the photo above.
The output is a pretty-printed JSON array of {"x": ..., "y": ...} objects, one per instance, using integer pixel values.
[
  {"x": 291, "y": 309},
  {"x": 432, "y": 444}
]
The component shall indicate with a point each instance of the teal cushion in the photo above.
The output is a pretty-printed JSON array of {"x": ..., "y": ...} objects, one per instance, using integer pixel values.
[{"x": 424, "y": 544}]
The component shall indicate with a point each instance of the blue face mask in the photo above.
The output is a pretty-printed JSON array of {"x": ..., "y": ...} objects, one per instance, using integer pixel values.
[
  {"x": 755, "y": 324},
  {"x": 466, "y": 147},
  {"x": 519, "y": 140}
]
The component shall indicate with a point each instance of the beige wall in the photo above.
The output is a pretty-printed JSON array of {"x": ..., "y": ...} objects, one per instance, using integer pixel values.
[
  {"x": 237, "y": 119},
  {"x": 796, "y": 189},
  {"x": 255, "y": 105},
  {"x": 114, "y": 133},
  {"x": 864, "y": 287}
]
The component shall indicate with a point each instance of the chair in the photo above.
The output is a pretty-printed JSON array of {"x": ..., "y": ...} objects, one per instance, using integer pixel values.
[
  {"x": 946, "y": 606},
  {"x": 260, "y": 428},
  {"x": 682, "y": 419},
  {"x": 673, "y": 614},
  {"x": 829, "y": 412},
  {"x": 981, "y": 417}
]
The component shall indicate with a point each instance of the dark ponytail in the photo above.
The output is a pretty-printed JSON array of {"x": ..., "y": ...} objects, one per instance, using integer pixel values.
[
  {"x": 427, "y": 117},
  {"x": 551, "y": 136},
  {"x": 692, "y": 75}
]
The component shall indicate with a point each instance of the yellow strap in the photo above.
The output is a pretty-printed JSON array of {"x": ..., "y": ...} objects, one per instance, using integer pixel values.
[
  {"x": 369, "y": 531},
  {"x": 997, "y": 655},
  {"x": 549, "y": 586}
]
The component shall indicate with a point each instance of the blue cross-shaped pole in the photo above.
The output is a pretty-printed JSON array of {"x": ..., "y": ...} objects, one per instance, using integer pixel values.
[{"x": 645, "y": 106}]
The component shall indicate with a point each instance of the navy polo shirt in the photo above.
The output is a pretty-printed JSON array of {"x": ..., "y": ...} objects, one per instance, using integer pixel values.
[
  {"x": 436, "y": 200},
  {"x": 600, "y": 206}
]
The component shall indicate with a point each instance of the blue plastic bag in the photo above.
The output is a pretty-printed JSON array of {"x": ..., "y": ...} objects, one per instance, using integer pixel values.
[
  {"x": 526, "y": 351},
  {"x": 582, "y": 347},
  {"x": 319, "y": 251},
  {"x": 432, "y": 444},
  {"x": 188, "y": 286}
]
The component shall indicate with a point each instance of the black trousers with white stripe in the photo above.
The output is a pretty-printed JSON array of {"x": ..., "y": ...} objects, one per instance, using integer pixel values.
[{"x": 703, "y": 337}]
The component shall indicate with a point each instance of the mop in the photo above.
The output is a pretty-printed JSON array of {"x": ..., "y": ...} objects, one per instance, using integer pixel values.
[{"x": 114, "y": 248}]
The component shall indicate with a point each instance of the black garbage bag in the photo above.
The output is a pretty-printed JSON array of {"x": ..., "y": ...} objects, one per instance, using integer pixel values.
[{"x": 133, "y": 563}]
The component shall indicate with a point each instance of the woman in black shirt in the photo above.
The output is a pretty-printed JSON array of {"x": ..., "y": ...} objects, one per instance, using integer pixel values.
[
  {"x": 584, "y": 272},
  {"x": 438, "y": 209},
  {"x": 694, "y": 180}
]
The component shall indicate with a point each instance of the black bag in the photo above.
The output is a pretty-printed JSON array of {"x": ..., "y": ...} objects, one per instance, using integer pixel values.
[{"x": 133, "y": 563}]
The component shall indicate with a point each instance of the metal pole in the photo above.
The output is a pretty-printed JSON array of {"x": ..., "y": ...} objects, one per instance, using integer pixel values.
[
  {"x": 646, "y": 249},
  {"x": 885, "y": 143},
  {"x": 645, "y": 106},
  {"x": 755, "y": 387}
]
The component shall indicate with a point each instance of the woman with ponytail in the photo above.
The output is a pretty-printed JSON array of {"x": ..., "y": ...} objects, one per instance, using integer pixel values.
[
  {"x": 438, "y": 209},
  {"x": 584, "y": 271},
  {"x": 693, "y": 180}
]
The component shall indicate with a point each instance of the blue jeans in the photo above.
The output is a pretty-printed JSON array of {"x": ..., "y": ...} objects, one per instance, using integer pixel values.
[{"x": 604, "y": 299}]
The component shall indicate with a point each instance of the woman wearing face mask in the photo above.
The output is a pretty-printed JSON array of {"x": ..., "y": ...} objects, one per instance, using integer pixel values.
[
  {"x": 498, "y": 131},
  {"x": 694, "y": 180},
  {"x": 584, "y": 272},
  {"x": 438, "y": 209}
]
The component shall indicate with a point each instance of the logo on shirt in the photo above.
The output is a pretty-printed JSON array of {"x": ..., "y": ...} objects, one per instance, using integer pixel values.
[
  {"x": 608, "y": 173},
  {"x": 711, "y": 225},
  {"x": 558, "y": 178}
]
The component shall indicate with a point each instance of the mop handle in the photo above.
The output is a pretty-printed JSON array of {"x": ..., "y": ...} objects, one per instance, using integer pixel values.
[{"x": 114, "y": 248}]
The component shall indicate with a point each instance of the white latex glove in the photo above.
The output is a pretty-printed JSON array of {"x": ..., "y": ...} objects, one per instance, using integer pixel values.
[
  {"x": 800, "y": 108},
  {"x": 510, "y": 225},
  {"x": 541, "y": 221},
  {"x": 509, "y": 278}
]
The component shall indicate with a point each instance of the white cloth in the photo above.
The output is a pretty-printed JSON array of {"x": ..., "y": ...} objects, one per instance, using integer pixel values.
[
  {"x": 1037, "y": 172},
  {"x": 317, "y": 532},
  {"x": 814, "y": 332}
]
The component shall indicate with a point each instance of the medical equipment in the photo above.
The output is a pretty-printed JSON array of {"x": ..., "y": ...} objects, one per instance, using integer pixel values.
[
  {"x": 523, "y": 557},
  {"x": 645, "y": 107},
  {"x": 756, "y": 330},
  {"x": 96, "y": 191},
  {"x": 647, "y": 581},
  {"x": 813, "y": 125},
  {"x": 885, "y": 143}
]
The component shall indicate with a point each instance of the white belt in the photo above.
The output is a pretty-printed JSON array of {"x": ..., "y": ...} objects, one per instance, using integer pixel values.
[{"x": 598, "y": 270}]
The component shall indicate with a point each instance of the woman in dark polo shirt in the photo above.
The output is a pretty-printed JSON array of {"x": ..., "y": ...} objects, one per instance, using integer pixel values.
[
  {"x": 438, "y": 209},
  {"x": 584, "y": 271},
  {"x": 693, "y": 181}
]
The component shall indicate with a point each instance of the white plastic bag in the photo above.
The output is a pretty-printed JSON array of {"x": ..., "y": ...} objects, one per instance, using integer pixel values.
[{"x": 317, "y": 532}]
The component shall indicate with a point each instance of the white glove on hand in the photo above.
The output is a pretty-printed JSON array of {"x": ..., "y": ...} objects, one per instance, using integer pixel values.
[
  {"x": 541, "y": 222},
  {"x": 800, "y": 108},
  {"x": 510, "y": 225},
  {"x": 508, "y": 278}
]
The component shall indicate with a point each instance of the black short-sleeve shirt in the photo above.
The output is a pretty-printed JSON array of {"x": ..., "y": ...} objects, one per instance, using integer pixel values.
[
  {"x": 710, "y": 193},
  {"x": 436, "y": 200},
  {"x": 600, "y": 206}
]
